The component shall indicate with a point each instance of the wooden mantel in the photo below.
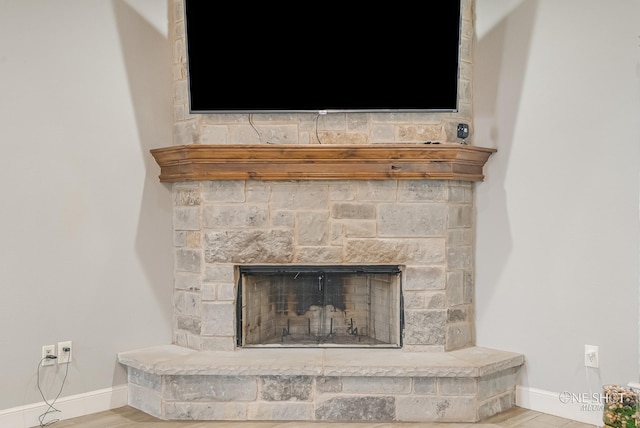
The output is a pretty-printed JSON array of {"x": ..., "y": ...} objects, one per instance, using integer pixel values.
[{"x": 321, "y": 162}]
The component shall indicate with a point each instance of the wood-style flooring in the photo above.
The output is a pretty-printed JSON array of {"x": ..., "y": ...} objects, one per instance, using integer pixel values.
[{"x": 128, "y": 417}]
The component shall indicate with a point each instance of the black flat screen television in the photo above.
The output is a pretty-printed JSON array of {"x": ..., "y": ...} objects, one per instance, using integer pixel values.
[{"x": 298, "y": 58}]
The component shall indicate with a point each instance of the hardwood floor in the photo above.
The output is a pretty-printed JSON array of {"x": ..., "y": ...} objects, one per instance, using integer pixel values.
[{"x": 127, "y": 417}]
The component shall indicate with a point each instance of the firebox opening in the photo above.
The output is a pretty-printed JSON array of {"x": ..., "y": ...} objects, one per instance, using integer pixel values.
[{"x": 319, "y": 306}]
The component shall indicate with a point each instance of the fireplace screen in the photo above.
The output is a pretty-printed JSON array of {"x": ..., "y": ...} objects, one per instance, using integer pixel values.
[{"x": 316, "y": 306}]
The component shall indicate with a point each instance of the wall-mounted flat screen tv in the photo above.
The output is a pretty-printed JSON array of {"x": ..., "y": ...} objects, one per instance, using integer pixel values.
[{"x": 323, "y": 57}]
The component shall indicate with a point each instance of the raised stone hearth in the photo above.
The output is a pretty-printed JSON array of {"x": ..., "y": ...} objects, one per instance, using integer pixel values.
[{"x": 466, "y": 385}]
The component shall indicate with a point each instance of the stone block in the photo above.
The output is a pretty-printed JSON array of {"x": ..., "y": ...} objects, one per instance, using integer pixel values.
[
  {"x": 457, "y": 386},
  {"x": 357, "y": 121},
  {"x": 218, "y": 318},
  {"x": 342, "y": 191},
  {"x": 280, "y": 411},
  {"x": 179, "y": 238},
  {"x": 186, "y": 303},
  {"x": 434, "y": 300},
  {"x": 425, "y": 386},
  {"x": 310, "y": 255},
  {"x": 214, "y": 134},
  {"x": 467, "y": 286},
  {"x": 413, "y": 300},
  {"x": 420, "y": 278},
  {"x": 496, "y": 384},
  {"x": 425, "y": 327},
  {"x": 459, "y": 237},
  {"x": 193, "y": 341},
  {"x": 455, "y": 291},
  {"x": 217, "y": 343},
  {"x": 179, "y": 338},
  {"x": 144, "y": 379},
  {"x": 257, "y": 191},
  {"x": 382, "y": 133},
  {"x": 353, "y": 210},
  {"x": 328, "y": 384},
  {"x": 187, "y": 260},
  {"x": 460, "y": 257},
  {"x": 212, "y": 388},
  {"x": 421, "y": 190},
  {"x": 225, "y": 291},
  {"x": 421, "y": 132},
  {"x": 299, "y": 195},
  {"x": 189, "y": 196},
  {"x": 208, "y": 291},
  {"x": 194, "y": 239},
  {"x": 459, "y": 314},
  {"x": 235, "y": 216},
  {"x": 184, "y": 132},
  {"x": 411, "y": 220},
  {"x": 189, "y": 324},
  {"x": 459, "y": 335},
  {"x": 144, "y": 399},
  {"x": 376, "y": 385},
  {"x": 246, "y": 134},
  {"x": 283, "y": 219},
  {"x": 272, "y": 133},
  {"x": 460, "y": 216},
  {"x": 395, "y": 251},
  {"x": 496, "y": 405},
  {"x": 286, "y": 388},
  {"x": 247, "y": 246},
  {"x": 376, "y": 190},
  {"x": 345, "y": 408},
  {"x": 219, "y": 273},
  {"x": 206, "y": 411},
  {"x": 312, "y": 227},
  {"x": 460, "y": 194},
  {"x": 186, "y": 218},
  {"x": 360, "y": 228},
  {"x": 186, "y": 281},
  {"x": 437, "y": 409},
  {"x": 224, "y": 191}
]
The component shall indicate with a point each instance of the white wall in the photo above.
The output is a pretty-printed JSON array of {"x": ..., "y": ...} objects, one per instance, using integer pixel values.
[
  {"x": 85, "y": 254},
  {"x": 557, "y": 93}
]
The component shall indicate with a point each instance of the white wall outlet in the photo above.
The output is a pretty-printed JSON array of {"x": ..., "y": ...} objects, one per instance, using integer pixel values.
[
  {"x": 591, "y": 356},
  {"x": 48, "y": 350},
  {"x": 65, "y": 352}
]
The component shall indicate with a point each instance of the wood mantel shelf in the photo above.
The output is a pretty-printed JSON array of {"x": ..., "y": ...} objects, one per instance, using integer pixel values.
[{"x": 321, "y": 162}]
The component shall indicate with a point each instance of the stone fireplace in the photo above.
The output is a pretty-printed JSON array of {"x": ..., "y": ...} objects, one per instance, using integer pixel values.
[
  {"x": 323, "y": 299},
  {"x": 324, "y": 268}
]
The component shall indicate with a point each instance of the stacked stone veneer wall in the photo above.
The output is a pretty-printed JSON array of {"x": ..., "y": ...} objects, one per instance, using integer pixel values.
[
  {"x": 333, "y": 128},
  {"x": 425, "y": 226}
]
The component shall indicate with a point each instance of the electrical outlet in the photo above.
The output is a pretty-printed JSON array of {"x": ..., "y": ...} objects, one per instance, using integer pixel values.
[
  {"x": 591, "y": 356},
  {"x": 46, "y": 351},
  {"x": 65, "y": 352}
]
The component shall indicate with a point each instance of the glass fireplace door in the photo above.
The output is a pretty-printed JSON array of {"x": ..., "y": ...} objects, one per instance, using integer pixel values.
[{"x": 311, "y": 306}]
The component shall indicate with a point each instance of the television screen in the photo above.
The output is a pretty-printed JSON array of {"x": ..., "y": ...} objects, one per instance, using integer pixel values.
[{"x": 385, "y": 57}]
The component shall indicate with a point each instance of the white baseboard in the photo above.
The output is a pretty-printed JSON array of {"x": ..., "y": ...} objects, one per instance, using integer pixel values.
[
  {"x": 70, "y": 407},
  {"x": 577, "y": 408}
]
